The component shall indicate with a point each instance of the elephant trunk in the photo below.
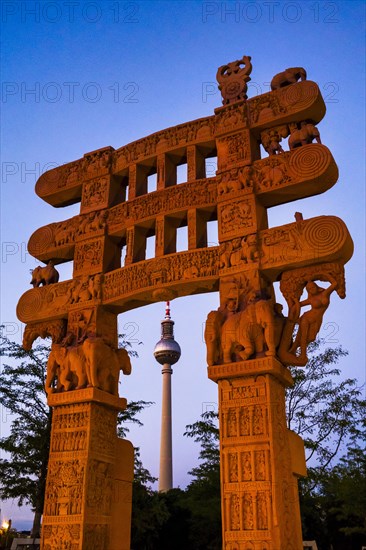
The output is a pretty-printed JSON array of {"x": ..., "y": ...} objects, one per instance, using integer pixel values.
[{"x": 302, "y": 73}]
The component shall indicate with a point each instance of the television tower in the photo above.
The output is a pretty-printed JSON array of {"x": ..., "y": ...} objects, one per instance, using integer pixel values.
[{"x": 166, "y": 352}]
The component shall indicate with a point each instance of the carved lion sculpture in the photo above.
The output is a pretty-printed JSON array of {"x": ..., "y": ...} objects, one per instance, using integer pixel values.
[
  {"x": 287, "y": 77},
  {"x": 45, "y": 275},
  {"x": 251, "y": 329}
]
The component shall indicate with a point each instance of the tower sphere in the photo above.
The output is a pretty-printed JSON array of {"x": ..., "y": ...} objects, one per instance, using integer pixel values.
[{"x": 167, "y": 350}]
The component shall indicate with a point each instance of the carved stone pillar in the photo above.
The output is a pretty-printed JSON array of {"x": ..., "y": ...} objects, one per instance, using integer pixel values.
[
  {"x": 89, "y": 482},
  {"x": 195, "y": 163},
  {"x": 130, "y": 240},
  {"x": 132, "y": 182},
  {"x": 167, "y": 172},
  {"x": 159, "y": 236},
  {"x": 197, "y": 230},
  {"x": 260, "y": 457}
]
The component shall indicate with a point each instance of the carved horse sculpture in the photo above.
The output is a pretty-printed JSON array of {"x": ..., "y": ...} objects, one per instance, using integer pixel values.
[
  {"x": 45, "y": 275},
  {"x": 287, "y": 77}
]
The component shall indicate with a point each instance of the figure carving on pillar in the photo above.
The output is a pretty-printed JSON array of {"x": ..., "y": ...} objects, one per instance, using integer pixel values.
[
  {"x": 233, "y": 467},
  {"x": 258, "y": 420},
  {"x": 260, "y": 465},
  {"x": 310, "y": 321},
  {"x": 231, "y": 423},
  {"x": 318, "y": 298},
  {"x": 244, "y": 422},
  {"x": 235, "y": 512},
  {"x": 248, "y": 521},
  {"x": 246, "y": 466},
  {"x": 262, "y": 511}
]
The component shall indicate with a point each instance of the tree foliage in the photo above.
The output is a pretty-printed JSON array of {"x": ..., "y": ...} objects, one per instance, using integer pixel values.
[
  {"x": 323, "y": 409},
  {"x": 23, "y": 474}
]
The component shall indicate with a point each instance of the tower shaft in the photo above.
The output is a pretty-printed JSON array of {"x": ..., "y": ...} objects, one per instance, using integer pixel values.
[{"x": 166, "y": 453}]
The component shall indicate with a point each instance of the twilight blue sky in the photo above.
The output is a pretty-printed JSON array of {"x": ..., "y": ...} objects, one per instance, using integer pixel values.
[{"x": 77, "y": 76}]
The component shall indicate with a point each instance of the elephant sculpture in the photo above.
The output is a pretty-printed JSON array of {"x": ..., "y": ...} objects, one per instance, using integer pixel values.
[
  {"x": 212, "y": 336},
  {"x": 304, "y": 135},
  {"x": 66, "y": 367},
  {"x": 287, "y": 77},
  {"x": 45, "y": 275},
  {"x": 252, "y": 329},
  {"x": 90, "y": 364},
  {"x": 103, "y": 364}
]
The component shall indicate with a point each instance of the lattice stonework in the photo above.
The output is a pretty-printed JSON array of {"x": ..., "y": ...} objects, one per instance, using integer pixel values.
[{"x": 250, "y": 341}]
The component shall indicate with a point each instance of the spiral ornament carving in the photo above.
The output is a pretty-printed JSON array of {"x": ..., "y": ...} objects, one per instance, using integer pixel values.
[
  {"x": 41, "y": 240},
  {"x": 301, "y": 95},
  {"x": 325, "y": 234},
  {"x": 309, "y": 161},
  {"x": 30, "y": 304},
  {"x": 48, "y": 182}
]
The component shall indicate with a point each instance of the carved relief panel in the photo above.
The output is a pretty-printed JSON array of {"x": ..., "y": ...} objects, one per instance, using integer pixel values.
[
  {"x": 62, "y": 536},
  {"x": 96, "y": 256},
  {"x": 95, "y": 194},
  {"x": 64, "y": 488},
  {"x": 233, "y": 150},
  {"x": 238, "y": 218}
]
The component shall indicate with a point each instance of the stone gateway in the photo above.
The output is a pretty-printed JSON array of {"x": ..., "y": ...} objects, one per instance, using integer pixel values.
[{"x": 250, "y": 339}]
